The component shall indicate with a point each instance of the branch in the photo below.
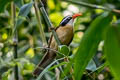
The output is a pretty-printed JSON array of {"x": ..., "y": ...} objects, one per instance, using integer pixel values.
[
  {"x": 42, "y": 34},
  {"x": 92, "y": 6},
  {"x": 46, "y": 48},
  {"x": 15, "y": 39}
]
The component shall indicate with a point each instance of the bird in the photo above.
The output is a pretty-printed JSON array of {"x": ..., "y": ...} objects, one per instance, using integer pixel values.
[{"x": 65, "y": 34}]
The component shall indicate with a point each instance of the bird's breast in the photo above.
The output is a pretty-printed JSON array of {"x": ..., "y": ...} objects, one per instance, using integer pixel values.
[{"x": 65, "y": 35}]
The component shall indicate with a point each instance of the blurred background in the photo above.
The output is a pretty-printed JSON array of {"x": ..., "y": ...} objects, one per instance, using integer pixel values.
[{"x": 29, "y": 37}]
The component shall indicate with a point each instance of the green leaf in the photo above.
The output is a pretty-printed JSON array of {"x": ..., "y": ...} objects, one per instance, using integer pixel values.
[
  {"x": 3, "y": 3},
  {"x": 19, "y": 21},
  {"x": 6, "y": 74},
  {"x": 99, "y": 69},
  {"x": 55, "y": 66},
  {"x": 112, "y": 50},
  {"x": 89, "y": 43},
  {"x": 64, "y": 50},
  {"x": 25, "y": 9},
  {"x": 91, "y": 66}
]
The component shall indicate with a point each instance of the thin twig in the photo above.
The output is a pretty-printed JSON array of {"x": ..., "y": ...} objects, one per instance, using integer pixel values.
[
  {"x": 92, "y": 6},
  {"x": 15, "y": 39},
  {"x": 42, "y": 34},
  {"x": 46, "y": 48}
]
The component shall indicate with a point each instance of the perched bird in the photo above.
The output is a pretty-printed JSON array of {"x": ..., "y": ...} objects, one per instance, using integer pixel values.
[{"x": 65, "y": 34}]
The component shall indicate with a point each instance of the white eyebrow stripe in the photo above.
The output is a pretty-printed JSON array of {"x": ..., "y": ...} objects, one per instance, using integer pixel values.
[{"x": 64, "y": 19}]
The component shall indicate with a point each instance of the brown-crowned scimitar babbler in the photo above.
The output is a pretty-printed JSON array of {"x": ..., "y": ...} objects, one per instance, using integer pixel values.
[{"x": 65, "y": 35}]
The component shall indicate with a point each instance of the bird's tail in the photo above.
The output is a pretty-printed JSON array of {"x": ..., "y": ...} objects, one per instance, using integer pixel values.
[{"x": 46, "y": 60}]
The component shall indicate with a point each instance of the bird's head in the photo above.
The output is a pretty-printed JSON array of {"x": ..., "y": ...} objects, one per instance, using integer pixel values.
[{"x": 68, "y": 20}]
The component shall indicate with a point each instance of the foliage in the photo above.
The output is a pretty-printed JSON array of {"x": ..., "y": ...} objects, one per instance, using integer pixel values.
[
  {"x": 93, "y": 53},
  {"x": 89, "y": 43}
]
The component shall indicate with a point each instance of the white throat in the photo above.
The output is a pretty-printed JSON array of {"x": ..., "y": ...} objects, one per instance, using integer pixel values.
[{"x": 70, "y": 22}]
